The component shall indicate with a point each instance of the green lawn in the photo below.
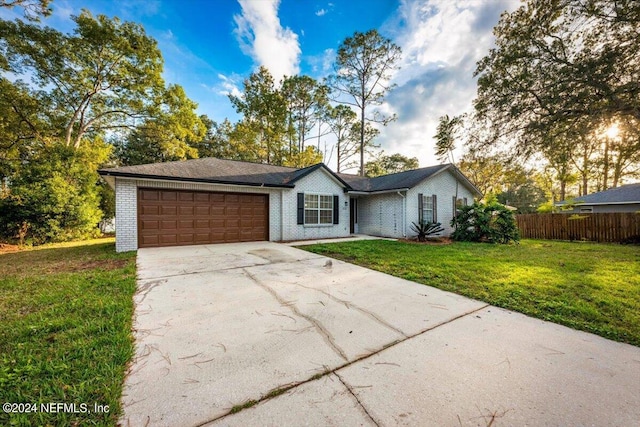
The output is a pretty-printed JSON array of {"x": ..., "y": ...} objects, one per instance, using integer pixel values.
[
  {"x": 587, "y": 286},
  {"x": 65, "y": 330}
]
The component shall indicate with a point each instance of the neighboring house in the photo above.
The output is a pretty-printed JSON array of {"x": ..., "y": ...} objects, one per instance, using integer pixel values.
[
  {"x": 625, "y": 198},
  {"x": 214, "y": 201}
]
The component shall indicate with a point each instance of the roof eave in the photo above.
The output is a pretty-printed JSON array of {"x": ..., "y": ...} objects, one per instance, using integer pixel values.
[
  {"x": 106, "y": 173},
  {"x": 369, "y": 193}
]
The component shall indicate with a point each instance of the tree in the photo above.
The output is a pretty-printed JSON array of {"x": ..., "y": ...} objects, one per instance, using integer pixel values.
[
  {"x": 363, "y": 69},
  {"x": 33, "y": 9},
  {"x": 446, "y": 134},
  {"x": 394, "y": 163},
  {"x": 264, "y": 110},
  {"x": 54, "y": 196},
  {"x": 342, "y": 123},
  {"x": 307, "y": 101},
  {"x": 172, "y": 135},
  {"x": 104, "y": 76},
  {"x": 557, "y": 64},
  {"x": 301, "y": 159}
]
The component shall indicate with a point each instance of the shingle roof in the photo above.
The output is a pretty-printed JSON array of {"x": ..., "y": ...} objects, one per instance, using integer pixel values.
[
  {"x": 399, "y": 180},
  {"x": 213, "y": 170},
  {"x": 629, "y": 193},
  {"x": 258, "y": 174}
]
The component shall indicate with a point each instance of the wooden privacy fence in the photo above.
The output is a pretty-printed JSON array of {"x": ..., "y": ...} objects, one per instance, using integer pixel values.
[{"x": 597, "y": 227}]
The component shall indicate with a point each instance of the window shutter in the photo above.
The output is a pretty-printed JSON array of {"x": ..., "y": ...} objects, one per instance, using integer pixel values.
[
  {"x": 336, "y": 210},
  {"x": 435, "y": 208},
  {"x": 300, "y": 208},
  {"x": 420, "y": 208}
]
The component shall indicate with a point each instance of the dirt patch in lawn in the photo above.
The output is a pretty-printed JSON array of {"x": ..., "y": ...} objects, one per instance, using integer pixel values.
[
  {"x": 6, "y": 248},
  {"x": 438, "y": 241}
]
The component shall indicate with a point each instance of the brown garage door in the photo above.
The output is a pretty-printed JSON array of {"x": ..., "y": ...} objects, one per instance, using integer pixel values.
[{"x": 175, "y": 217}]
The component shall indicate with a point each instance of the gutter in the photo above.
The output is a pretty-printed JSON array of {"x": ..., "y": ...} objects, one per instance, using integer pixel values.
[
  {"x": 369, "y": 193},
  {"x": 195, "y": 180}
]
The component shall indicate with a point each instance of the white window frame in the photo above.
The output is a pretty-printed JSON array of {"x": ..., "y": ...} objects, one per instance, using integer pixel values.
[
  {"x": 318, "y": 209},
  {"x": 427, "y": 208}
]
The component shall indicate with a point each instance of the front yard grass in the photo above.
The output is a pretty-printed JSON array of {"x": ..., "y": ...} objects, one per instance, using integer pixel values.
[
  {"x": 65, "y": 331},
  {"x": 587, "y": 286}
]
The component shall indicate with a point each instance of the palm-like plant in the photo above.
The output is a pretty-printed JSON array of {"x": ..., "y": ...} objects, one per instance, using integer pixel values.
[{"x": 425, "y": 229}]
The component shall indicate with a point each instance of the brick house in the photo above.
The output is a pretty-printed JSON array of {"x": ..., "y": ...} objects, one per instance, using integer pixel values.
[{"x": 215, "y": 201}]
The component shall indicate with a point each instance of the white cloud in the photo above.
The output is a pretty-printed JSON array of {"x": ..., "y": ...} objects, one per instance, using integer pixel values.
[
  {"x": 321, "y": 12},
  {"x": 441, "y": 41},
  {"x": 262, "y": 37},
  {"x": 228, "y": 85}
]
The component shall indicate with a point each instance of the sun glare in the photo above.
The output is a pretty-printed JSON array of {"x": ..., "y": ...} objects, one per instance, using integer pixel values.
[{"x": 612, "y": 131}]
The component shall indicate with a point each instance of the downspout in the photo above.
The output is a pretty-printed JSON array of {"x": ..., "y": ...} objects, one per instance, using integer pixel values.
[
  {"x": 404, "y": 214},
  {"x": 281, "y": 215}
]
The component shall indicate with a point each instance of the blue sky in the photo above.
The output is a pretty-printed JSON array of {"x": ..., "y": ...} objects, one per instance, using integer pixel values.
[{"x": 210, "y": 46}]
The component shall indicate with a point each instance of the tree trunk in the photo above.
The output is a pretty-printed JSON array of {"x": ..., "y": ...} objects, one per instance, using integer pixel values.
[
  {"x": 605, "y": 177},
  {"x": 362, "y": 141}
]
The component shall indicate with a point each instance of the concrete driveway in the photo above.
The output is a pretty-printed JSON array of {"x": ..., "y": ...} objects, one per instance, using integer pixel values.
[{"x": 299, "y": 339}]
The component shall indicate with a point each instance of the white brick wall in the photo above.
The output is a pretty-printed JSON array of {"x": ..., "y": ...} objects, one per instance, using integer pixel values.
[
  {"x": 381, "y": 215},
  {"x": 126, "y": 215},
  {"x": 443, "y": 186},
  {"x": 319, "y": 181}
]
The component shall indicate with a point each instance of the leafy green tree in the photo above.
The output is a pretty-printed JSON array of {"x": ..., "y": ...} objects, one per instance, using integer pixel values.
[
  {"x": 363, "y": 69},
  {"x": 384, "y": 165},
  {"x": 104, "y": 76},
  {"x": 264, "y": 111},
  {"x": 307, "y": 102},
  {"x": 446, "y": 134},
  {"x": 55, "y": 196},
  {"x": 557, "y": 64},
  {"x": 172, "y": 135},
  {"x": 342, "y": 122},
  {"x": 308, "y": 157}
]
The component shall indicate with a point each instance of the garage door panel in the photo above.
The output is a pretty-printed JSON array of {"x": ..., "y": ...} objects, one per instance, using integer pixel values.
[
  {"x": 168, "y": 239},
  {"x": 149, "y": 195},
  {"x": 169, "y": 225},
  {"x": 168, "y": 210},
  {"x": 150, "y": 210},
  {"x": 186, "y": 238},
  {"x": 177, "y": 217},
  {"x": 216, "y": 211},
  {"x": 186, "y": 224},
  {"x": 202, "y": 224},
  {"x": 202, "y": 210},
  {"x": 168, "y": 196},
  {"x": 151, "y": 225},
  {"x": 186, "y": 197}
]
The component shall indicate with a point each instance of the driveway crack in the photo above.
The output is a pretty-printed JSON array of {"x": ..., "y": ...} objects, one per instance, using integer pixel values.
[
  {"x": 324, "y": 333},
  {"x": 373, "y": 420},
  {"x": 349, "y": 304}
]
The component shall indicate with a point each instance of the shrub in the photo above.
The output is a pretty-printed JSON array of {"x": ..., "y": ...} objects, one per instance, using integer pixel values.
[
  {"x": 425, "y": 229},
  {"x": 54, "y": 196},
  {"x": 490, "y": 222}
]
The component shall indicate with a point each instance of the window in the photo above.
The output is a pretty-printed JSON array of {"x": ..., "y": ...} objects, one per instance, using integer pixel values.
[
  {"x": 457, "y": 204},
  {"x": 427, "y": 209},
  {"x": 318, "y": 209},
  {"x": 586, "y": 210}
]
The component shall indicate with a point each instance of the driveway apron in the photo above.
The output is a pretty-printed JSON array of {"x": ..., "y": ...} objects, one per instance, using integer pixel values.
[{"x": 266, "y": 334}]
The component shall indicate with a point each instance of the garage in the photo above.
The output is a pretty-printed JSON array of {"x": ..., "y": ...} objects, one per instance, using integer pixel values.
[{"x": 177, "y": 217}]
